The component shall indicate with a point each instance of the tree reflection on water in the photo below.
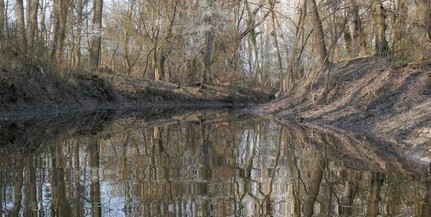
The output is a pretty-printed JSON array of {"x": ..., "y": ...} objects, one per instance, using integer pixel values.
[{"x": 231, "y": 165}]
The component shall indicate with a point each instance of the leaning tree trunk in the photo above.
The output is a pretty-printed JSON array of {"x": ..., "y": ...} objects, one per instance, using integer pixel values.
[{"x": 322, "y": 52}]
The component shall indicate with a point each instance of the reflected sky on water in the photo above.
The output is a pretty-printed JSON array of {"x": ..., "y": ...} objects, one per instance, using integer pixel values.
[{"x": 203, "y": 164}]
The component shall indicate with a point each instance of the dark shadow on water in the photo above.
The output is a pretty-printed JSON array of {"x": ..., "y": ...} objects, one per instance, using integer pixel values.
[{"x": 199, "y": 163}]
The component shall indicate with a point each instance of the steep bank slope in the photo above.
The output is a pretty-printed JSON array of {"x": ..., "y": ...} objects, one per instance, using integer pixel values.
[
  {"x": 36, "y": 91},
  {"x": 370, "y": 96}
]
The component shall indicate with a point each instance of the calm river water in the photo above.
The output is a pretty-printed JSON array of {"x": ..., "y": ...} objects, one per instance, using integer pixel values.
[{"x": 208, "y": 163}]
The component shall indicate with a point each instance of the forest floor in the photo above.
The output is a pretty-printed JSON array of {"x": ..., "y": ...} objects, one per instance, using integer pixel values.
[
  {"x": 39, "y": 93},
  {"x": 369, "y": 96}
]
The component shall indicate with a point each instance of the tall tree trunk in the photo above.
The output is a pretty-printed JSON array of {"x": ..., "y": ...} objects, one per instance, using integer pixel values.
[
  {"x": 381, "y": 46},
  {"x": 322, "y": 52},
  {"x": 424, "y": 15},
  {"x": 2, "y": 19},
  {"x": 209, "y": 44},
  {"x": 61, "y": 9},
  {"x": 401, "y": 20},
  {"x": 251, "y": 23},
  {"x": 400, "y": 28},
  {"x": 43, "y": 33},
  {"x": 20, "y": 21},
  {"x": 33, "y": 6},
  {"x": 355, "y": 28},
  {"x": 77, "y": 55},
  {"x": 96, "y": 40},
  {"x": 277, "y": 47},
  {"x": 288, "y": 80}
]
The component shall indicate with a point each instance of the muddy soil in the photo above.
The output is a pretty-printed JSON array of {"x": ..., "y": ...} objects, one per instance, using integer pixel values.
[{"x": 374, "y": 97}]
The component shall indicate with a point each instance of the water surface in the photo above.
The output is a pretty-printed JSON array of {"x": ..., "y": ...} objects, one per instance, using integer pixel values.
[{"x": 196, "y": 164}]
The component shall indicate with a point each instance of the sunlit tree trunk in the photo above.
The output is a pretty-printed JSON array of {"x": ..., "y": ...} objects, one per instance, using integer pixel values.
[
  {"x": 355, "y": 29},
  {"x": 96, "y": 38},
  {"x": 251, "y": 22},
  {"x": 32, "y": 9},
  {"x": 401, "y": 21},
  {"x": 288, "y": 80},
  {"x": 130, "y": 61},
  {"x": 381, "y": 44},
  {"x": 20, "y": 22},
  {"x": 319, "y": 35},
  {"x": 275, "y": 34},
  {"x": 424, "y": 15},
  {"x": 157, "y": 71}
]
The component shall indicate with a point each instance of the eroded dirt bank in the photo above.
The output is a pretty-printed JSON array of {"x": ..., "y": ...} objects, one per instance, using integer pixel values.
[
  {"x": 369, "y": 96},
  {"x": 39, "y": 92}
]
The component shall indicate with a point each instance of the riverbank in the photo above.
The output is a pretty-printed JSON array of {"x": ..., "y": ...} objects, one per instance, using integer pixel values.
[
  {"x": 369, "y": 96},
  {"x": 38, "y": 92}
]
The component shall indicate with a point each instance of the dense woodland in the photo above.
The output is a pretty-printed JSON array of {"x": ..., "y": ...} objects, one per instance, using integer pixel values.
[{"x": 276, "y": 43}]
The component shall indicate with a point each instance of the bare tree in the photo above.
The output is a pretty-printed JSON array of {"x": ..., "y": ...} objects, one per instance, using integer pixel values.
[
  {"x": 163, "y": 44},
  {"x": 130, "y": 61},
  {"x": 19, "y": 10},
  {"x": 295, "y": 52},
  {"x": 355, "y": 28},
  {"x": 61, "y": 11},
  {"x": 322, "y": 52},
  {"x": 424, "y": 15},
  {"x": 77, "y": 39},
  {"x": 32, "y": 9},
  {"x": 381, "y": 44},
  {"x": 207, "y": 75},
  {"x": 96, "y": 38},
  {"x": 2, "y": 18},
  {"x": 43, "y": 34},
  {"x": 277, "y": 46}
]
